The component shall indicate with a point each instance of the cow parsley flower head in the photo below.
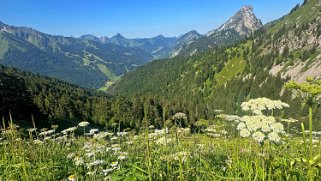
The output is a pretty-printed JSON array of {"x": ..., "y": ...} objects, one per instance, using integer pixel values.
[
  {"x": 258, "y": 136},
  {"x": 260, "y": 104},
  {"x": 179, "y": 116},
  {"x": 245, "y": 133},
  {"x": 274, "y": 137},
  {"x": 277, "y": 127},
  {"x": 259, "y": 126},
  {"x": 290, "y": 120},
  {"x": 83, "y": 124}
]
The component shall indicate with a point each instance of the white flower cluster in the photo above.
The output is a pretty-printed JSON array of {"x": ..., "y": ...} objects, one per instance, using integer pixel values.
[
  {"x": 259, "y": 126},
  {"x": 212, "y": 131},
  {"x": 179, "y": 116},
  {"x": 260, "y": 104},
  {"x": 83, "y": 124},
  {"x": 290, "y": 120},
  {"x": 229, "y": 117},
  {"x": 163, "y": 141},
  {"x": 158, "y": 133}
]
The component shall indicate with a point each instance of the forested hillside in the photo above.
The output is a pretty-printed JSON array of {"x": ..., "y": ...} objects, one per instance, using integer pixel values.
[
  {"x": 50, "y": 101},
  {"x": 222, "y": 78}
]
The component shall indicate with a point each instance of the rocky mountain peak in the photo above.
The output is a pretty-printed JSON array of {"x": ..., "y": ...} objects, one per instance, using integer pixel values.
[
  {"x": 89, "y": 37},
  {"x": 190, "y": 36},
  {"x": 118, "y": 36},
  {"x": 244, "y": 22}
]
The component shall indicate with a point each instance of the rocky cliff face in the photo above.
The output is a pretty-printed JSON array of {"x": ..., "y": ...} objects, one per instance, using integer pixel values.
[
  {"x": 296, "y": 38},
  {"x": 244, "y": 22},
  {"x": 241, "y": 25}
]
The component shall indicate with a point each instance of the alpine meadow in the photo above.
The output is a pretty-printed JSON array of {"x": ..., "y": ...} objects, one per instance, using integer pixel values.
[{"x": 238, "y": 102}]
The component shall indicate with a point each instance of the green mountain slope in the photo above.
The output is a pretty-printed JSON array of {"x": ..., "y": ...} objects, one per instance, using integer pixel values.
[
  {"x": 49, "y": 100},
  {"x": 71, "y": 59},
  {"x": 222, "y": 78}
]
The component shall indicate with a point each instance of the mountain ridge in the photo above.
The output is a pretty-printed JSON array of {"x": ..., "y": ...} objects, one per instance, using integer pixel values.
[
  {"x": 225, "y": 76},
  {"x": 239, "y": 26}
]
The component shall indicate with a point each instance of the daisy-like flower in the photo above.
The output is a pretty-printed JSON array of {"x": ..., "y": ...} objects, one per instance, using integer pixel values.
[
  {"x": 106, "y": 171},
  {"x": 96, "y": 162},
  {"x": 114, "y": 164},
  {"x": 72, "y": 178},
  {"x": 121, "y": 157},
  {"x": 78, "y": 161}
]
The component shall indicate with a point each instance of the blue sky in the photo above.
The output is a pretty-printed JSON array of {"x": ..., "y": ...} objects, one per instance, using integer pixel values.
[{"x": 132, "y": 18}]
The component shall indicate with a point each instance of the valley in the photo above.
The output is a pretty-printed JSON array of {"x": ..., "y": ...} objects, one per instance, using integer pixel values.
[{"x": 240, "y": 102}]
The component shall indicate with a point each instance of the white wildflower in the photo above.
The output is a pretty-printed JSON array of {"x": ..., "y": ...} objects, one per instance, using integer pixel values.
[
  {"x": 290, "y": 120},
  {"x": 114, "y": 164},
  {"x": 258, "y": 136},
  {"x": 260, "y": 104},
  {"x": 245, "y": 133},
  {"x": 273, "y": 136},
  {"x": 162, "y": 141},
  {"x": 92, "y": 131},
  {"x": 179, "y": 116},
  {"x": 96, "y": 162},
  {"x": 71, "y": 155},
  {"x": 101, "y": 135},
  {"x": 71, "y": 129},
  {"x": 78, "y": 161},
  {"x": 265, "y": 128},
  {"x": 106, "y": 171},
  {"x": 83, "y": 124},
  {"x": 122, "y": 133},
  {"x": 241, "y": 126},
  {"x": 277, "y": 127}
]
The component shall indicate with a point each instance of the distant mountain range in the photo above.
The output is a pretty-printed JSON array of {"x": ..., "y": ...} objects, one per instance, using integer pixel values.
[
  {"x": 159, "y": 47},
  {"x": 93, "y": 62},
  {"x": 241, "y": 25}
]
